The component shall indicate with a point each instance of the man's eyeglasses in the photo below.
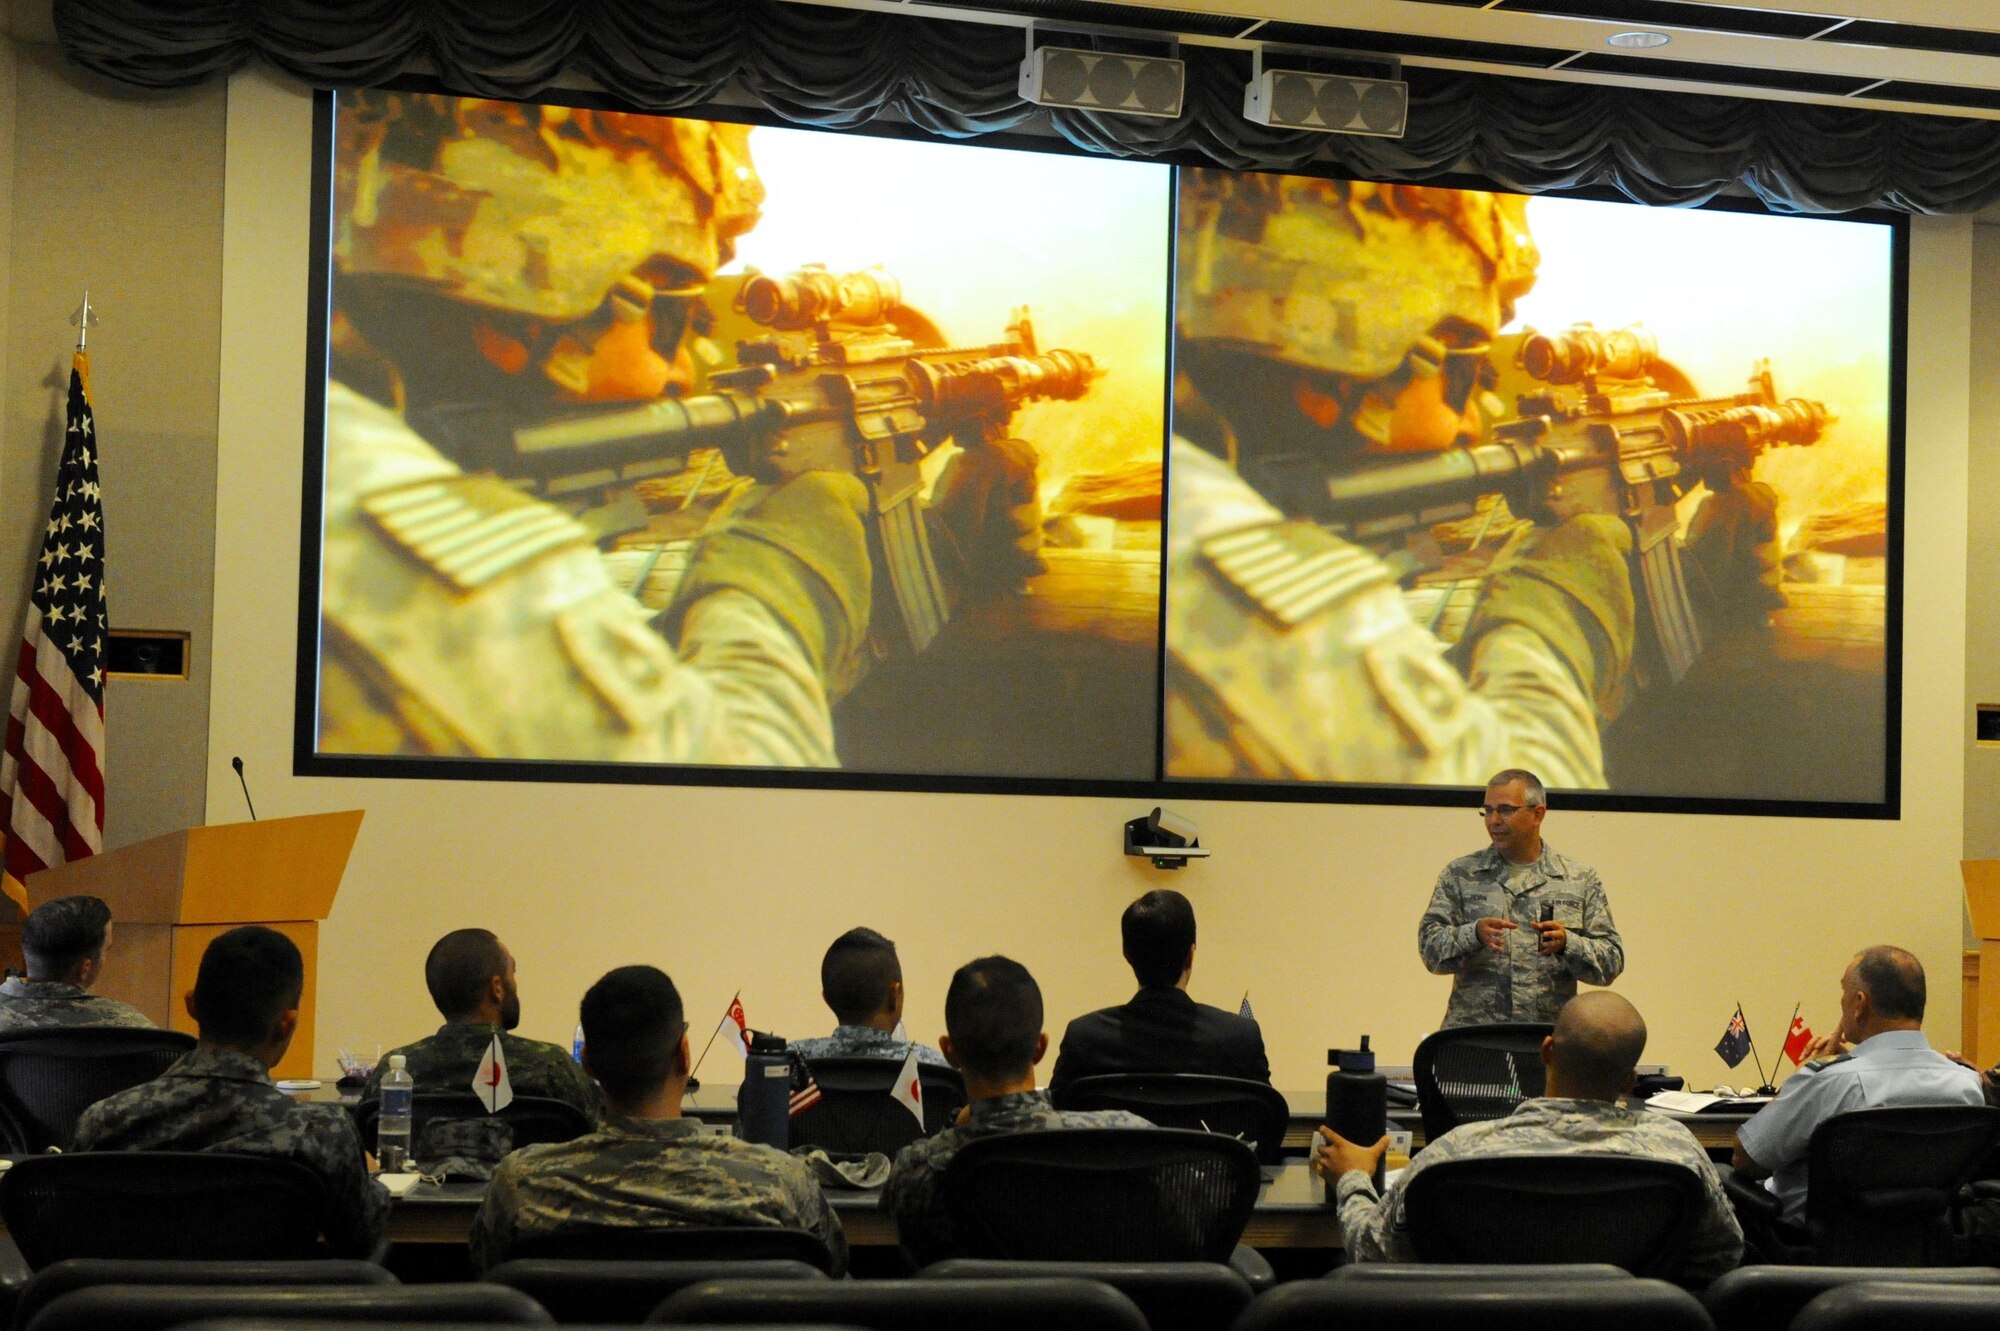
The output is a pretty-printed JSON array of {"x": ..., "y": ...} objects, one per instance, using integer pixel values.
[{"x": 1504, "y": 810}]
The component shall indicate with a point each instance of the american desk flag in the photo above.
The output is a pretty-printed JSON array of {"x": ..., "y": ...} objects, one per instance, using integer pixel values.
[{"x": 52, "y": 774}]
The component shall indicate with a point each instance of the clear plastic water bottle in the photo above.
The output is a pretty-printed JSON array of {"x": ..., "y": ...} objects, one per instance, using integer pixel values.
[
  {"x": 392, "y": 1128},
  {"x": 576, "y": 1044}
]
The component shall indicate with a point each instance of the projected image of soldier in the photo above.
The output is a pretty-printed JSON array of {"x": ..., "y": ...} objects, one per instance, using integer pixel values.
[{"x": 1318, "y": 322}]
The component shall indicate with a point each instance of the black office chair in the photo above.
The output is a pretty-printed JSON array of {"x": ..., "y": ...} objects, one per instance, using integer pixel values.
[
  {"x": 74, "y": 1273},
  {"x": 1632, "y": 1213},
  {"x": 161, "y": 1307},
  {"x": 1882, "y": 1188},
  {"x": 624, "y": 1292},
  {"x": 528, "y": 1120},
  {"x": 854, "y": 1112},
  {"x": 1232, "y": 1106},
  {"x": 1902, "y": 1306},
  {"x": 1755, "y": 1298},
  {"x": 907, "y": 1305},
  {"x": 1174, "y": 1296},
  {"x": 677, "y": 1243},
  {"x": 1467, "y": 1074},
  {"x": 49, "y": 1077},
  {"x": 1455, "y": 1305},
  {"x": 164, "y": 1205},
  {"x": 1101, "y": 1194}
]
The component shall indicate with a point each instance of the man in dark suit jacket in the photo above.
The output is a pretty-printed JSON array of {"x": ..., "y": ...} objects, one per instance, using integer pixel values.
[{"x": 1161, "y": 1029}]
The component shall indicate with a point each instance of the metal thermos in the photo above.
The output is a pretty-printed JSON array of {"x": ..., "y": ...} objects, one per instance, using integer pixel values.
[
  {"x": 763, "y": 1102},
  {"x": 1357, "y": 1101}
]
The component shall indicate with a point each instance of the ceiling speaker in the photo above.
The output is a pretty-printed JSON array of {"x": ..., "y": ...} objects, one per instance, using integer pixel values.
[
  {"x": 1136, "y": 85},
  {"x": 1329, "y": 103}
]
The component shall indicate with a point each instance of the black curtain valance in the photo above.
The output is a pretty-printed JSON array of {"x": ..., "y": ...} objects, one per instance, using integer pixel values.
[{"x": 841, "y": 68}]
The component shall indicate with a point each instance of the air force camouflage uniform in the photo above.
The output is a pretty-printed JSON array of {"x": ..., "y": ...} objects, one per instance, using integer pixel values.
[
  {"x": 448, "y": 1060},
  {"x": 27, "y": 1005},
  {"x": 865, "y": 1042},
  {"x": 1376, "y": 1229},
  {"x": 218, "y": 1100},
  {"x": 914, "y": 1194},
  {"x": 1517, "y": 983},
  {"x": 648, "y": 1174}
]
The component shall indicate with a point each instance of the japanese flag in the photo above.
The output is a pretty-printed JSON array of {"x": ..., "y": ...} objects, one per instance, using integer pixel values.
[
  {"x": 491, "y": 1083},
  {"x": 735, "y": 1028},
  {"x": 908, "y": 1090}
]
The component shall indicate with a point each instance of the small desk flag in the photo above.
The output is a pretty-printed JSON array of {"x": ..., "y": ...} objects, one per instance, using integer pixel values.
[
  {"x": 805, "y": 1089},
  {"x": 1734, "y": 1046},
  {"x": 908, "y": 1090},
  {"x": 735, "y": 1028},
  {"x": 491, "y": 1083},
  {"x": 1798, "y": 1041}
]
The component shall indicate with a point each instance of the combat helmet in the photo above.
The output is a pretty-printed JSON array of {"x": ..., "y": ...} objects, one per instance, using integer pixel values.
[
  {"x": 1345, "y": 277},
  {"x": 545, "y": 211}
]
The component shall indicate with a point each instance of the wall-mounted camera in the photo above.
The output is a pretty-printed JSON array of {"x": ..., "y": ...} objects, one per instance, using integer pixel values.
[{"x": 1167, "y": 839}]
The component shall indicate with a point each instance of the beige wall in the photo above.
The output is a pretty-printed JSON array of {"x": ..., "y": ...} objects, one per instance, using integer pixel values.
[
  {"x": 121, "y": 195},
  {"x": 1311, "y": 908},
  {"x": 1982, "y": 626}
]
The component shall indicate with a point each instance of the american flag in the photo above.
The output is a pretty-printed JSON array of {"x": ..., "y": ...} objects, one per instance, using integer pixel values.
[
  {"x": 52, "y": 775},
  {"x": 805, "y": 1090}
]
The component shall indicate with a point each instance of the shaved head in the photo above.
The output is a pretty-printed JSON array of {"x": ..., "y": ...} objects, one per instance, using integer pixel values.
[{"x": 1596, "y": 1046}]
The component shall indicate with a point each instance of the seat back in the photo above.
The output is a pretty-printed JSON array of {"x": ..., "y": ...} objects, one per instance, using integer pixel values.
[
  {"x": 1174, "y": 1296},
  {"x": 528, "y": 1120},
  {"x": 49, "y": 1077},
  {"x": 1233, "y": 1106},
  {"x": 855, "y": 1113},
  {"x": 1633, "y": 1213},
  {"x": 166, "y": 1205},
  {"x": 1467, "y": 1074},
  {"x": 677, "y": 1243},
  {"x": 1457, "y": 1305},
  {"x": 159, "y": 1307},
  {"x": 1880, "y": 1183},
  {"x": 1101, "y": 1194},
  {"x": 1752, "y": 1298},
  {"x": 907, "y": 1305},
  {"x": 1902, "y": 1306},
  {"x": 73, "y": 1273},
  {"x": 1474, "y": 1271},
  {"x": 580, "y": 1290}
]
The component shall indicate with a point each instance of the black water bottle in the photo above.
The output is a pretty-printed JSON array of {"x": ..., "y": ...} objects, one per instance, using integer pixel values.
[
  {"x": 1357, "y": 1101},
  {"x": 763, "y": 1104}
]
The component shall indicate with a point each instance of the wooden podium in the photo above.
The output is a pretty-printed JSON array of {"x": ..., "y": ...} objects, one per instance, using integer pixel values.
[
  {"x": 1982, "y": 902},
  {"x": 170, "y": 896}
]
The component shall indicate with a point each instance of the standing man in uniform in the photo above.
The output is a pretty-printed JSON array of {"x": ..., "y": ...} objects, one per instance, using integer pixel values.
[
  {"x": 1517, "y": 925},
  {"x": 1321, "y": 324}
]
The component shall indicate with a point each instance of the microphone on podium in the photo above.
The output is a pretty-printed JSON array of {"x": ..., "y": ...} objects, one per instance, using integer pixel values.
[{"x": 237, "y": 763}]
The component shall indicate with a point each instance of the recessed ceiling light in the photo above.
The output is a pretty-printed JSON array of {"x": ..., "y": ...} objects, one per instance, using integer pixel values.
[{"x": 1637, "y": 41}]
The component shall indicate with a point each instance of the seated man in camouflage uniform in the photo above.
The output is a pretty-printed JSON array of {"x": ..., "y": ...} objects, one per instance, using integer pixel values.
[
  {"x": 1592, "y": 1061},
  {"x": 861, "y": 979},
  {"x": 63, "y": 941},
  {"x": 470, "y": 974},
  {"x": 647, "y": 1168},
  {"x": 245, "y": 1004},
  {"x": 994, "y": 1037}
]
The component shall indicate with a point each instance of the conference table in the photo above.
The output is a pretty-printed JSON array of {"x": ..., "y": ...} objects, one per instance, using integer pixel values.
[{"x": 1291, "y": 1212}]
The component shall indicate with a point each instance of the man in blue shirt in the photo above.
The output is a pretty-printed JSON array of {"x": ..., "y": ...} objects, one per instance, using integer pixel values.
[{"x": 1876, "y": 1059}]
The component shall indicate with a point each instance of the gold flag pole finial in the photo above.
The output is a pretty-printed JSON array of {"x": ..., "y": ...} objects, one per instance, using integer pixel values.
[{"x": 83, "y": 320}]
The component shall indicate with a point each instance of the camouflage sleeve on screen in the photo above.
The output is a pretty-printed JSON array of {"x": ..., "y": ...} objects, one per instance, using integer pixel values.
[
  {"x": 1534, "y": 704},
  {"x": 1594, "y": 953}
]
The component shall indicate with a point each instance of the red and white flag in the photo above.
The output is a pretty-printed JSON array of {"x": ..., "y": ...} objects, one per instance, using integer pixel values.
[
  {"x": 1797, "y": 1041},
  {"x": 735, "y": 1028},
  {"x": 908, "y": 1090},
  {"x": 491, "y": 1083},
  {"x": 52, "y": 774}
]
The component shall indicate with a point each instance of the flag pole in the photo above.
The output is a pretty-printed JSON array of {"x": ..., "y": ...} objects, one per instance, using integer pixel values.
[
  {"x": 83, "y": 318},
  {"x": 712, "y": 1034},
  {"x": 1766, "y": 1088}
]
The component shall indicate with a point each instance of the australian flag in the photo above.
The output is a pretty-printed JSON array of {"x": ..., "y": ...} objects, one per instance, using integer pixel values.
[{"x": 1734, "y": 1046}]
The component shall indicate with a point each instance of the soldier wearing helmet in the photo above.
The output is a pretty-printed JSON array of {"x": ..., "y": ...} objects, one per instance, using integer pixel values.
[
  {"x": 496, "y": 263},
  {"x": 1320, "y": 322}
]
